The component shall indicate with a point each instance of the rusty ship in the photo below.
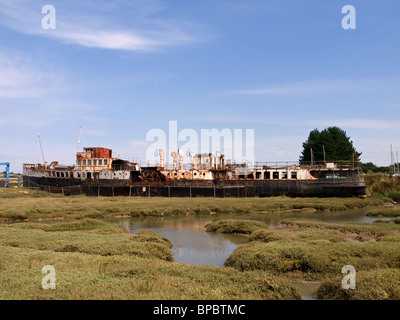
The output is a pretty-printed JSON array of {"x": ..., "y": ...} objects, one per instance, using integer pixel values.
[{"x": 97, "y": 173}]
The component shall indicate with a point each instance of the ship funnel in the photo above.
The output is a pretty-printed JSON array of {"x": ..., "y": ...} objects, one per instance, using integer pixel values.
[
  {"x": 192, "y": 159},
  {"x": 161, "y": 153},
  {"x": 174, "y": 156},
  {"x": 180, "y": 153}
]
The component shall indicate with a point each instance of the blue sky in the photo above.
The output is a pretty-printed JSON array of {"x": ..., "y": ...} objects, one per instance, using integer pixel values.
[{"x": 121, "y": 68}]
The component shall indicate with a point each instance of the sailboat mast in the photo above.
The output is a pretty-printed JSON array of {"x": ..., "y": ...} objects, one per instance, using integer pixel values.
[{"x": 79, "y": 139}]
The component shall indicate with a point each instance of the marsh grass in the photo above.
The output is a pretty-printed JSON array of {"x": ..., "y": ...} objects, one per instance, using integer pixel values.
[
  {"x": 90, "y": 237},
  {"x": 319, "y": 250},
  {"x": 380, "y": 184},
  {"x": 235, "y": 226},
  {"x": 93, "y": 264},
  {"x": 25, "y": 204},
  {"x": 379, "y": 284},
  {"x": 385, "y": 212},
  {"x": 98, "y": 260}
]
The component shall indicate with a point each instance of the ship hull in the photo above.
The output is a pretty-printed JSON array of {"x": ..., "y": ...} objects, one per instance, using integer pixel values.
[{"x": 212, "y": 188}]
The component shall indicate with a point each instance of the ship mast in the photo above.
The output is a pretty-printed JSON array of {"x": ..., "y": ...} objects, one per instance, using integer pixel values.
[
  {"x": 79, "y": 139},
  {"x": 39, "y": 150},
  {"x": 391, "y": 158}
]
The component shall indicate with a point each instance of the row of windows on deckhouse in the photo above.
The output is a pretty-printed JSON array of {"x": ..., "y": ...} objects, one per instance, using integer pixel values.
[{"x": 92, "y": 162}]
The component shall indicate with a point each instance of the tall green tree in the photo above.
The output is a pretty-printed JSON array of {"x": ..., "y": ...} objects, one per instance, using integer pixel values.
[{"x": 335, "y": 142}]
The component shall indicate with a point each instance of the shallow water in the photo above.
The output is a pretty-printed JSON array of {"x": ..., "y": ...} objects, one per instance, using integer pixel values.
[
  {"x": 193, "y": 245},
  {"x": 190, "y": 243}
]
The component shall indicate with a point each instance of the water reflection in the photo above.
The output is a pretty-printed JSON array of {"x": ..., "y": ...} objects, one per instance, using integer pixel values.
[
  {"x": 193, "y": 245},
  {"x": 190, "y": 243}
]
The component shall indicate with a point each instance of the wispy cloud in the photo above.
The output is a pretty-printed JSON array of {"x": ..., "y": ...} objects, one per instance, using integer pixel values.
[
  {"x": 323, "y": 86},
  {"x": 96, "y": 27},
  {"x": 352, "y": 123},
  {"x": 20, "y": 79}
]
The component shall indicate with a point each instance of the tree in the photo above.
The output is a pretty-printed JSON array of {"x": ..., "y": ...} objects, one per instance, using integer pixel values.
[
  {"x": 334, "y": 141},
  {"x": 369, "y": 167}
]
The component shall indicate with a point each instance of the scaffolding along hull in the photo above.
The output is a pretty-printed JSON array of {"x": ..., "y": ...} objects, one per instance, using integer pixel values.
[{"x": 194, "y": 188}]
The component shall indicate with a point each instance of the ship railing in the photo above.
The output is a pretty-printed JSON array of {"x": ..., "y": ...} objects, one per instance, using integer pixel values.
[
  {"x": 330, "y": 165},
  {"x": 349, "y": 181},
  {"x": 263, "y": 165},
  {"x": 295, "y": 165}
]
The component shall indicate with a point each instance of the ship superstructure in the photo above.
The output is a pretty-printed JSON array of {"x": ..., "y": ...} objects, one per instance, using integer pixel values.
[{"x": 208, "y": 174}]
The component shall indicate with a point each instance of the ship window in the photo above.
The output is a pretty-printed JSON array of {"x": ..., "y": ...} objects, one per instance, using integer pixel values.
[
  {"x": 195, "y": 173},
  {"x": 183, "y": 174},
  {"x": 284, "y": 175},
  {"x": 89, "y": 162},
  {"x": 84, "y": 162},
  {"x": 267, "y": 175},
  {"x": 175, "y": 174},
  {"x": 100, "y": 162},
  {"x": 294, "y": 175},
  {"x": 275, "y": 175},
  {"x": 204, "y": 174}
]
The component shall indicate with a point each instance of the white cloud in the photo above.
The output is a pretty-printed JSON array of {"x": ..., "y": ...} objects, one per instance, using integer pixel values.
[
  {"x": 357, "y": 123},
  {"x": 354, "y": 123},
  {"x": 20, "y": 79},
  {"x": 97, "y": 27},
  {"x": 324, "y": 86}
]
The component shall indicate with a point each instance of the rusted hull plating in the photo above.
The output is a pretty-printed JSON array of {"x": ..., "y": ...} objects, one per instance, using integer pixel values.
[{"x": 216, "y": 188}]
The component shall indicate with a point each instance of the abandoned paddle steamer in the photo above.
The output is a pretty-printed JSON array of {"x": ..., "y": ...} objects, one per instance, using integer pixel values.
[{"x": 96, "y": 172}]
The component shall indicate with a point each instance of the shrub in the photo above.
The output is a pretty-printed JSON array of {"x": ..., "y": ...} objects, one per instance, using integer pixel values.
[{"x": 235, "y": 226}]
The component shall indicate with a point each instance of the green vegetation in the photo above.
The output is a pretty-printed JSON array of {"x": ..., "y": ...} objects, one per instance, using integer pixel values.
[
  {"x": 386, "y": 212},
  {"x": 379, "y": 284},
  {"x": 371, "y": 168},
  {"x": 97, "y": 240},
  {"x": 235, "y": 226},
  {"x": 94, "y": 260},
  {"x": 335, "y": 142},
  {"x": 314, "y": 250},
  {"x": 383, "y": 185},
  {"x": 24, "y": 204}
]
